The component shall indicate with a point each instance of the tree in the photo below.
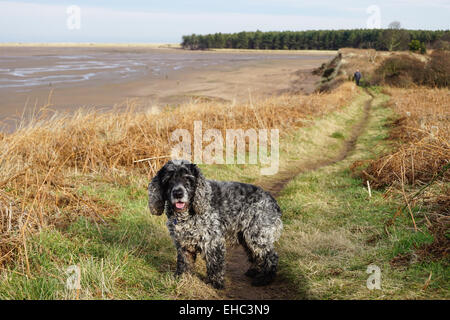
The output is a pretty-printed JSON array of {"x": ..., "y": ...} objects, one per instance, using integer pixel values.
[
  {"x": 267, "y": 40},
  {"x": 186, "y": 42},
  {"x": 276, "y": 41},
  {"x": 423, "y": 48},
  {"x": 395, "y": 25},
  {"x": 392, "y": 38},
  {"x": 417, "y": 46},
  {"x": 414, "y": 45},
  {"x": 395, "y": 38},
  {"x": 257, "y": 40},
  {"x": 242, "y": 41},
  {"x": 219, "y": 41},
  {"x": 192, "y": 42}
]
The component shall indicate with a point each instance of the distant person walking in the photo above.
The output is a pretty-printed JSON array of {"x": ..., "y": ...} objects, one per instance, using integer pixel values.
[{"x": 357, "y": 76}]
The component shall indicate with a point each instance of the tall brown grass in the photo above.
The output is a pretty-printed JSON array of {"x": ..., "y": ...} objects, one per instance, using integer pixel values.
[
  {"x": 423, "y": 135},
  {"x": 421, "y": 131},
  {"x": 366, "y": 60},
  {"x": 43, "y": 162},
  {"x": 397, "y": 69},
  {"x": 406, "y": 70},
  {"x": 417, "y": 170}
]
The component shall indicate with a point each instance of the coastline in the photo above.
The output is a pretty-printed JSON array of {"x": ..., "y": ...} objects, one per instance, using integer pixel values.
[
  {"x": 159, "y": 46},
  {"x": 213, "y": 75}
]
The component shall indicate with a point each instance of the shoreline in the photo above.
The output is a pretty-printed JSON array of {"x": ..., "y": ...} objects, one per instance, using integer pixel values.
[
  {"x": 183, "y": 76},
  {"x": 156, "y": 46}
]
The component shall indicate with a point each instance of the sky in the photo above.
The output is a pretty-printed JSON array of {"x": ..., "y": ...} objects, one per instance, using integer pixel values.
[{"x": 165, "y": 21}]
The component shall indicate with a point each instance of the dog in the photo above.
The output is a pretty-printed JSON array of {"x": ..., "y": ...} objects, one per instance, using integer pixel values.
[{"x": 206, "y": 215}]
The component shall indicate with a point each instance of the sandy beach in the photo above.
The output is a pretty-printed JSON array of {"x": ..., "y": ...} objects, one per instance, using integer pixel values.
[{"x": 106, "y": 76}]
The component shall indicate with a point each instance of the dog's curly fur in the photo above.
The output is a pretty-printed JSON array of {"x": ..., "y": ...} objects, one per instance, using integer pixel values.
[{"x": 204, "y": 215}]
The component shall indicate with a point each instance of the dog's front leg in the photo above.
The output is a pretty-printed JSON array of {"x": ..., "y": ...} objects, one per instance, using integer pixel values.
[
  {"x": 185, "y": 261},
  {"x": 215, "y": 263}
]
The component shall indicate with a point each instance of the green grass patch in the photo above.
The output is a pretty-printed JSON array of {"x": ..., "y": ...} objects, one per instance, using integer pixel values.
[
  {"x": 337, "y": 135},
  {"x": 333, "y": 231}
]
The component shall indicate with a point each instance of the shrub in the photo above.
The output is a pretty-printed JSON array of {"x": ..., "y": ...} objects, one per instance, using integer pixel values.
[
  {"x": 417, "y": 46},
  {"x": 400, "y": 71},
  {"x": 414, "y": 45},
  {"x": 438, "y": 69},
  {"x": 423, "y": 48},
  {"x": 405, "y": 70},
  {"x": 328, "y": 72}
]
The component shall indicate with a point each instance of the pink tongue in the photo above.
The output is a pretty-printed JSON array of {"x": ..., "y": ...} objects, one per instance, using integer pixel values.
[{"x": 179, "y": 205}]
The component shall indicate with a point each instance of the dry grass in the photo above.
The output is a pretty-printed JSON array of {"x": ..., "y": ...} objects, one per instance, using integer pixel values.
[
  {"x": 420, "y": 158},
  {"x": 269, "y": 51},
  {"x": 364, "y": 60},
  {"x": 368, "y": 60},
  {"x": 422, "y": 131},
  {"x": 423, "y": 135},
  {"x": 398, "y": 69},
  {"x": 44, "y": 160},
  {"x": 420, "y": 137}
]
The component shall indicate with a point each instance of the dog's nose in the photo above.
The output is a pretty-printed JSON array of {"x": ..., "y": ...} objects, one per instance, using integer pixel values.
[{"x": 177, "y": 193}]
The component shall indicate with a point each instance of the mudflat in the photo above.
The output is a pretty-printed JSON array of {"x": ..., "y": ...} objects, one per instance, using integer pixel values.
[{"x": 69, "y": 77}]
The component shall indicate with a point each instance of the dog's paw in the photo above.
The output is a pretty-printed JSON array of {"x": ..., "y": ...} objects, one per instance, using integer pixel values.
[
  {"x": 217, "y": 284},
  {"x": 179, "y": 272},
  {"x": 263, "y": 280},
  {"x": 252, "y": 272}
]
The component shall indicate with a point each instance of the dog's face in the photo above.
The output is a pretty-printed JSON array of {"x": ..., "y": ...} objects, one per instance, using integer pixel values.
[
  {"x": 178, "y": 180},
  {"x": 179, "y": 185}
]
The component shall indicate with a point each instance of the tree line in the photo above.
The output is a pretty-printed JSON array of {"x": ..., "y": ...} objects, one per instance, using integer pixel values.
[{"x": 379, "y": 39}]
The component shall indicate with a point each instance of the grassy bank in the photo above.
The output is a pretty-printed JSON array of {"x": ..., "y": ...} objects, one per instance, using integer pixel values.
[
  {"x": 45, "y": 162},
  {"x": 334, "y": 230},
  {"x": 73, "y": 195},
  {"x": 128, "y": 253}
]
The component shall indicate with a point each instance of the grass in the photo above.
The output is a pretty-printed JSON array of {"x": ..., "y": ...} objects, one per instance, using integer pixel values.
[
  {"x": 45, "y": 161},
  {"x": 422, "y": 133},
  {"x": 265, "y": 51},
  {"x": 129, "y": 256},
  {"x": 337, "y": 135},
  {"x": 128, "y": 253},
  {"x": 72, "y": 196},
  {"x": 334, "y": 231}
]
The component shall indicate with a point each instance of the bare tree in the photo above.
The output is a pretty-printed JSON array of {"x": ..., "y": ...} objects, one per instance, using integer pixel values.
[
  {"x": 395, "y": 25},
  {"x": 394, "y": 37}
]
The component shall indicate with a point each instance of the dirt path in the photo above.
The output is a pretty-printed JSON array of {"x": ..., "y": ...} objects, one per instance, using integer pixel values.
[{"x": 238, "y": 285}]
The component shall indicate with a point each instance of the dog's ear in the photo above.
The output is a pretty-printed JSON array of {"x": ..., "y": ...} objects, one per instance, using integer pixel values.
[
  {"x": 202, "y": 193},
  {"x": 156, "y": 202}
]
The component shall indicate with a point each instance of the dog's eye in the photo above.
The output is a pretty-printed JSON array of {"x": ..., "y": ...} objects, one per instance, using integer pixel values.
[
  {"x": 189, "y": 178},
  {"x": 167, "y": 177}
]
